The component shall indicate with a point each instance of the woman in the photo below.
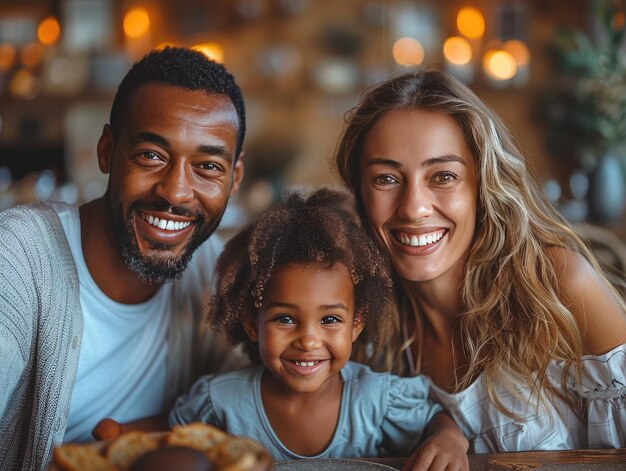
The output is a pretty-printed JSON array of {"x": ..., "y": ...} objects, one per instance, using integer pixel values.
[{"x": 502, "y": 305}]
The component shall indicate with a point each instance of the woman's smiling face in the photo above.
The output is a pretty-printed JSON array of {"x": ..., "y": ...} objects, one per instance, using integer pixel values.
[{"x": 419, "y": 189}]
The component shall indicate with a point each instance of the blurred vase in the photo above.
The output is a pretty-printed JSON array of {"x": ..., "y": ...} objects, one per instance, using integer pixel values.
[{"x": 607, "y": 190}]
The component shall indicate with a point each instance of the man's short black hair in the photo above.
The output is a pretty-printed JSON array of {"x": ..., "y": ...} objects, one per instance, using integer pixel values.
[{"x": 184, "y": 68}]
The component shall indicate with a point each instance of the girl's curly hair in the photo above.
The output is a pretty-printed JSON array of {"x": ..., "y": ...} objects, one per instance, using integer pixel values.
[{"x": 323, "y": 229}]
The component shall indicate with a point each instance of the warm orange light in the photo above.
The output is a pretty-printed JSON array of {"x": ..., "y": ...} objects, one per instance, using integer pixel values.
[
  {"x": 163, "y": 46},
  {"x": 518, "y": 50},
  {"x": 32, "y": 54},
  {"x": 408, "y": 51},
  {"x": 499, "y": 64},
  {"x": 212, "y": 50},
  {"x": 457, "y": 50},
  {"x": 7, "y": 56},
  {"x": 136, "y": 22},
  {"x": 618, "y": 20},
  {"x": 49, "y": 31},
  {"x": 23, "y": 84},
  {"x": 470, "y": 22}
]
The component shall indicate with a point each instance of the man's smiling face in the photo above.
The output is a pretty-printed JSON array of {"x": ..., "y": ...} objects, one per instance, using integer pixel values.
[{"x": 172, "y": 169}]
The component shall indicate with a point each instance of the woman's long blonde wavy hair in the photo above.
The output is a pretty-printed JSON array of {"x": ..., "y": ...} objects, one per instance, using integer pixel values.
[{"x": 515, "y": 324}]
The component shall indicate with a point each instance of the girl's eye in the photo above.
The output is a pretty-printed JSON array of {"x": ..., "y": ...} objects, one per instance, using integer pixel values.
[
  {"x": 283, "y": 319},
  {"x": 331, "y": 320},
  {"x": 443, "y": 178}
]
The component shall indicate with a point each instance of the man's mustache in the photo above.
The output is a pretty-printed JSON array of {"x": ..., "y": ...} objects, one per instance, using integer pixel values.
[{"x": 160, "y": 205}]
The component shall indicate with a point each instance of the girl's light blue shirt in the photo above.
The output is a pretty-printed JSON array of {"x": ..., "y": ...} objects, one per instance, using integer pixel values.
[{"x": 380, "y": 414}]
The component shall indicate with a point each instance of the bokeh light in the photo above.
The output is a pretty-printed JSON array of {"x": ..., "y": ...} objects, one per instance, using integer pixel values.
[
  {"x": 7, "y": 56},
  {"x": 499, "y": 64},
  {"x": 32, "y": 54},
  {"x": 470, "y": 22},
  {"x": 212, "y": 50},
  {"x": 136, "y": 22},
  {"x": 49, "y": 31},
  {"x": 457, "y": 50},
  {"x": 23, "y": 84},
  {"x": 518, "y": 50},
  {"x": 408, "y": 51}
]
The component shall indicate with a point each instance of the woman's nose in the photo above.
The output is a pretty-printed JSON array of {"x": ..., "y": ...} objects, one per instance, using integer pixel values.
[
  {"x": 175, "y": 186},
  {"x": 415, "y": 203}
]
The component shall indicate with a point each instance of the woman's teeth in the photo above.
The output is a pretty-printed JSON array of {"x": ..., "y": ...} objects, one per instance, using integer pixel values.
[
  {"x": 165, "y": 223},
  {"x": 420, "y": 240},
  {"x": 306, "y": 363}
]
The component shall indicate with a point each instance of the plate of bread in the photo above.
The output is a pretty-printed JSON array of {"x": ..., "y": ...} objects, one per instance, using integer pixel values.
[{"x": 192, "y": 447}]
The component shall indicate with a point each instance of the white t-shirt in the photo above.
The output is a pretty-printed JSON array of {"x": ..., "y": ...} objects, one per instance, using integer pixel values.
[{"x": 121, "y": 369}]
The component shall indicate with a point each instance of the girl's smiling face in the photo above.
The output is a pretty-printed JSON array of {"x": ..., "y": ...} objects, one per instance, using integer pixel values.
[
  {"x": 306, "y": 325},
  {"x": 419, "y": 188}
]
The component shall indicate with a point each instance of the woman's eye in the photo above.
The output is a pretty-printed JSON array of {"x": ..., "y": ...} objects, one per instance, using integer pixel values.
[
  {"x": 330, "y": 320},
  {"x": 442, "y": 178},
  {"x": 385, "y": 179},
  {"x": 283, "y": 319}
]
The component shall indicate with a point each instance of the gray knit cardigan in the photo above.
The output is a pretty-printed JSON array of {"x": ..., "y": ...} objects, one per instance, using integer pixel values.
[{"x": 41, "y": 328}]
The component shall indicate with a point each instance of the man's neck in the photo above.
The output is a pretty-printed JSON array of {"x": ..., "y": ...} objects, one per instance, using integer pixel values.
[{"x": 104, "y": 259}]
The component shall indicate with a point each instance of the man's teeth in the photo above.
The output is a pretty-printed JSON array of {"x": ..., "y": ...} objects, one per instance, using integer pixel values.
[
  {"x": 306, "y": 363},
  {"x": 165, "y": 223},
  {"x": 420, "y": 240}
]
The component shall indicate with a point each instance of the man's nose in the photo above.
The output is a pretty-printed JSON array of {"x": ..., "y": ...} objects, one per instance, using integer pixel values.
[{"x": 175, "y": 186}]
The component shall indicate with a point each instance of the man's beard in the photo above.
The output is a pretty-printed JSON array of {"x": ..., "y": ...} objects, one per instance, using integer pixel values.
[{"x": 150, "y": 268}]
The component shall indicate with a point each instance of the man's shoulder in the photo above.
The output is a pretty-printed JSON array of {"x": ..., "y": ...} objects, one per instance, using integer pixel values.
[
  {"x": 199, "y": 271},
  {"x": 28, "y": 216}
]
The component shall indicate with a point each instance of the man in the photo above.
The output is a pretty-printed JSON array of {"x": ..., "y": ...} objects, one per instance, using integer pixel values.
[{"x": 101, "y": 306}]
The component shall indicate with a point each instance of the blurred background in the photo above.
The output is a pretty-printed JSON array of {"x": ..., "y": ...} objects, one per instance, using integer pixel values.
[{"x": 555, "y": 71}]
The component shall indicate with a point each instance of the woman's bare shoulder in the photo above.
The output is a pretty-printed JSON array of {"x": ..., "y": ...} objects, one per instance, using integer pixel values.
[{"x": 599, "y": 314}]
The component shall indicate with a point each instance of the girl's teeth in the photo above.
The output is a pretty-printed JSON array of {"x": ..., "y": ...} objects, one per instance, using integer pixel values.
[
  {"x": 421, "y": 240},
  {"x": 306, "y": 363},
  {"x": 166, "y": 224}
]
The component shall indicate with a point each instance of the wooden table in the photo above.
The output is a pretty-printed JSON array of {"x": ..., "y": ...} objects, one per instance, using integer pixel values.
[{"x": 529, "y": 460}]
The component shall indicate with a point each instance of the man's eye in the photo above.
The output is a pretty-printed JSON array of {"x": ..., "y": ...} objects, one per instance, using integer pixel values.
[
  {"x": 150, "y": 155},
  {"x": 331, "y": 320},
  {"x": 211, "y": 167}
]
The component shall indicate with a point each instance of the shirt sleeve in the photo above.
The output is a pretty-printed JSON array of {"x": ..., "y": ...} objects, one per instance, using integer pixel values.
[
  {"x": 195, "y": 406},
  {"x": 604, "y": 394},
  {"x": 17, "y": 309},
  {"x": 409, "y": 410}
]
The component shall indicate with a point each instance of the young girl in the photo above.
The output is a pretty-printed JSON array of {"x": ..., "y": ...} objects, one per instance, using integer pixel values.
[
  {"x": 297, "y": 288},
  {"x": 501, "y": 303}
]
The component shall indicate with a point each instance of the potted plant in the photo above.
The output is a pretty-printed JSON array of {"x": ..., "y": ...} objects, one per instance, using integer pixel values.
[{"x": 585, "y": 113}]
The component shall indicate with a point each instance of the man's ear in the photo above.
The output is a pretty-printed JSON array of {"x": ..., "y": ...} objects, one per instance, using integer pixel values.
[
  {"x": 238, "y": 172},
  {"x": 251, "y": 329},
  {"x": 357, "y": 326},
  {"x": 105, "y": 150}
]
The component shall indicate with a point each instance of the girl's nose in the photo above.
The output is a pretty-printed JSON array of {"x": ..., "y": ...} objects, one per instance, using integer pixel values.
[{"x": 307, "y": 341}]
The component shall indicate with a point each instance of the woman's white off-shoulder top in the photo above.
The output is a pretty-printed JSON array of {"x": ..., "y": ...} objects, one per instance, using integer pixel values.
[{"x": 601, "y": 422}]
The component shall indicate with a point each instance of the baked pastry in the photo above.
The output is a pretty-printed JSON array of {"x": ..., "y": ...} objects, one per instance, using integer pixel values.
[
  {"x": 192, "y": 447},
  {"x": 199, "y": 436},
  {"x": 125, "y": 449},
  {"x": 74, "y": 457},
  {"x": 173, "y": 458}
]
